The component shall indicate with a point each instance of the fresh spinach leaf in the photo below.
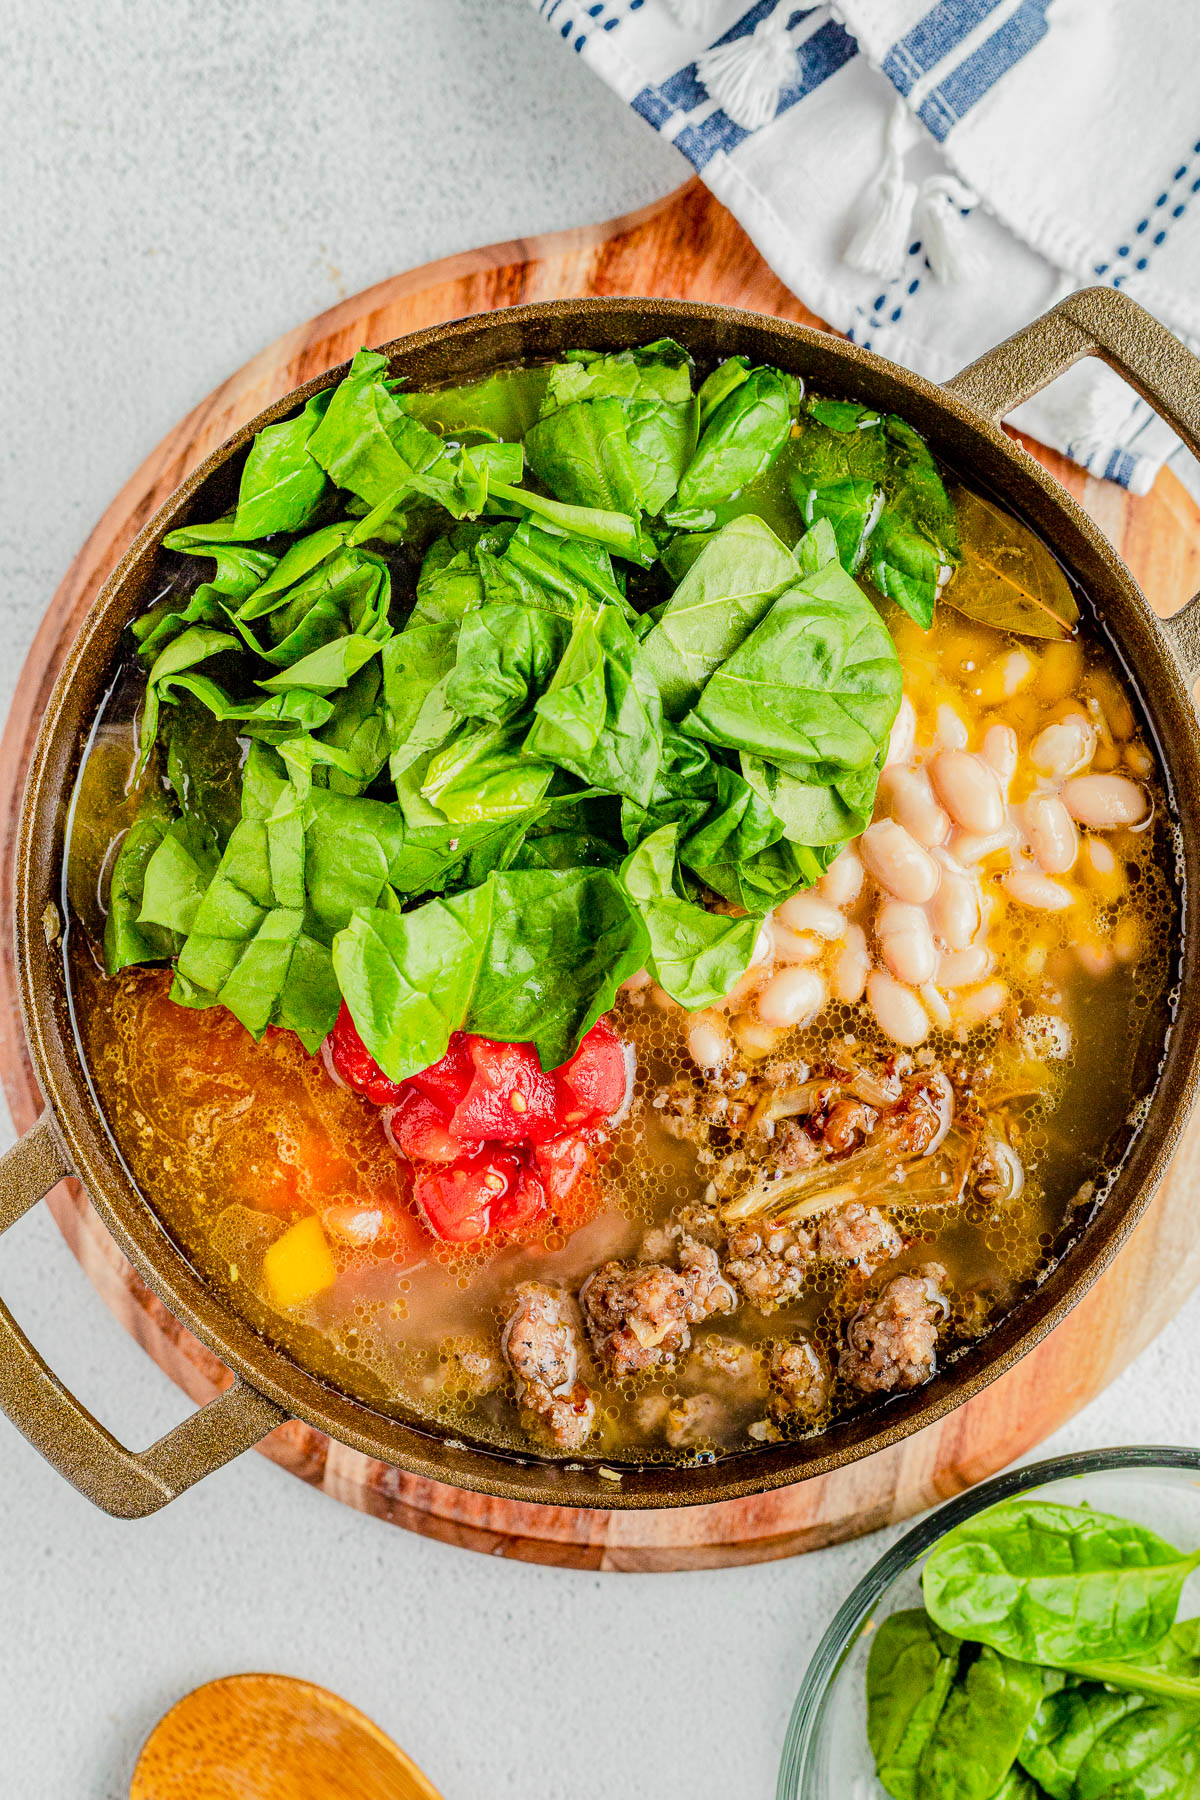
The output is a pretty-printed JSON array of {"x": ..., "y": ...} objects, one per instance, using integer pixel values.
[
  {"x": 727, "y": 591},
  {"x": 1171, "y": 1671},
  {"x": 1151, "y": 1753},
  {"x": 505, "y": 657},
  {"x": 910, "y": 1669},
  {"x": 617, "y": 531},
  {"x": 529, "y": 956},
  {"x": 979, "y": 1730},
  {"x": 741, "y": 438},
  {"x": 718, "y": 386},
  {"x": 1055, "y": 1584},
  {"x": 486, "y": 772},
  {"x": 598, "y": 718},
  {"x": 126, "y": 939},
  {"x": 506, "y": 403},
  {"x": 694, "y": 954},
  {"x": 1064, "y": 1730},
  {"x": 816, "y": 684}
]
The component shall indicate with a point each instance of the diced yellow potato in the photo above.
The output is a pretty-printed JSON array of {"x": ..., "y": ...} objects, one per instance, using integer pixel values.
[{"x": 299, "y": 1264}]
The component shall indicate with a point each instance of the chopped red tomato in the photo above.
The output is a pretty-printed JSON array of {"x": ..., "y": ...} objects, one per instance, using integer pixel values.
[
  {"x": 457, "y": 1203},
  {"x": 421, "y": 1131},
  {"x": 522, "y": 1206},
  {"x": 356, "y": 1066},
  {"x": 592, "y": 1085},
  {"x": 562, "y": 1161},
  {"x": 510, "y": 1099},
  {"x": 446, "y": 1081}
]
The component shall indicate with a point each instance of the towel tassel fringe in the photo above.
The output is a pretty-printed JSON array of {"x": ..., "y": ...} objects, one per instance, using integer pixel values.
[
  {"x": 879, "y": 244},
  {"x": 746, "y": 77},
  {"x": 941, "y": 227}
]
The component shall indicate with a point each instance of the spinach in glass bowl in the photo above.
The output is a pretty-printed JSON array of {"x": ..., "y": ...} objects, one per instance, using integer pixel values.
[{"x": 1032, "y": 1638}]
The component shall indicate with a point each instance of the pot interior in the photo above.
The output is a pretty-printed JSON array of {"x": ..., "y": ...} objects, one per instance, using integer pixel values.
[{"x": 1160, "y": 1079}]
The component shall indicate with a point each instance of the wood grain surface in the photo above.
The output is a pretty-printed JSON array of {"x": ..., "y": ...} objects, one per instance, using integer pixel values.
[{"x": 687, "y": 245}]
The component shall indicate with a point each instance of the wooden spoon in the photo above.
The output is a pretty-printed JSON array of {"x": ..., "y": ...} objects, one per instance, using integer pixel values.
[{"x": 269, "y": 1737}]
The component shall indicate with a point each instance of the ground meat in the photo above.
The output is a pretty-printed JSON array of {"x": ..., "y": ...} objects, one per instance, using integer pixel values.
[
  {"x": 473, "y": 1369},
  {"x": 891, "y": 1342},
  {"x": 847, "y": 1124},
  {"x": 541, "y": 1346},
  {"x": 720, "y": 1359},
  {"x": 638, "y": 1314},
  {"x": 769, "y": 1263},
  {"x": 922, "y": 1114},
  {"x": 799, "y": 1375},
  {"x": 793, "y": 1147},
  {"x": 859, "y": 1235},
  {"x": 698, "y": 1419}
]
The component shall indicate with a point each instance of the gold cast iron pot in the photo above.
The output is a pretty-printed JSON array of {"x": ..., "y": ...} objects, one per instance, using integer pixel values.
[{"x": 962, "y": 423}]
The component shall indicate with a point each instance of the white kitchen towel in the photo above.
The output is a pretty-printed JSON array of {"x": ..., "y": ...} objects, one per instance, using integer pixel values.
[{"x": 928, "y": 177}]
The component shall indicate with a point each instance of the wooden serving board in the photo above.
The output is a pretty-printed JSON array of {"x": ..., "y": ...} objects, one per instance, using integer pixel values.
[{"x": 686, "y": 245}]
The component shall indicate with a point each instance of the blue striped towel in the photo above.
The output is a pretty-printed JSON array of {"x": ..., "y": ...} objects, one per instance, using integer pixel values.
[{"x": 928, "y": 177}]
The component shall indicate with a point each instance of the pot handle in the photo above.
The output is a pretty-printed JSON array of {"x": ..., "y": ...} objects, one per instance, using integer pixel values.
[
  {"x": 1103, "y": 322},
  {"x": 125, "y": 1483}
]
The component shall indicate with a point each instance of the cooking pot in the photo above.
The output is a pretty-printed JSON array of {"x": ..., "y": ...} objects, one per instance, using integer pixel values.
[{"x": 961, "y": 420}]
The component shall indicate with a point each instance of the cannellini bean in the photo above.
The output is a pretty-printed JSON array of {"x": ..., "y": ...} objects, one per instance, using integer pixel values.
[
  {"x": 999, "y": 752},
  {"x": 950, "y": 731},
  {"x": 1028, "y": 888},
  {"x": 910, "y": 797},
  {"x": 898, "y": 1011},
  {"x": 754, "y": 1037},
  {"x": 963, "y": 968},
  {"x": 660, "y": 998},
  {"x": 957, "y": 907},
  {"x": 808, "y": 912},
  {"x": 1105, "y": 802},
  {"x": 898, "y": 862},
  {"x": 1051, "y": 833},
  {"x": 906, "y": 942},
  {"x": 972, "y": 847},
  {"x": 708, "y": 1040},
  {"x": 353, "y": 1224},
  {"x": 791, "y": 997},
  {"x": 981, "y": 1004},
  {"x": 904, "y": 734},
  {"x": 633, "y": 982},
  {"x": 842, "y": 881},
  {"x": 762, "y": 949},
  {"x": 967, "y": 787},
  {"x": 1095, "y": 959},
  {"x": 1064, "y": 748},
  {"x": 851, "y": 967},
  {"x": 794, "y": 946},
  {"x": 935, "y": 1004}
]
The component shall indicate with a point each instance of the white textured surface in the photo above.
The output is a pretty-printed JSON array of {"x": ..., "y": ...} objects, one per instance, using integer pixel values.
[{"x": 186, "y": 179}]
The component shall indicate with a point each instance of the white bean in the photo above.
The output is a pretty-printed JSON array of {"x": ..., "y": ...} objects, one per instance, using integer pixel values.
[
  {"x": 935, "y": 1004},
  {"x": 1095, "y": 959},
  {"x": 1104, "y": 802},
  {"x": 898, "y": 862},
  {"x": 1063, "y": 748},
  {"x": 957, "y": 907},
  {"x": 792, "y": 997},
  {"x": 1100, "y": 855},
  {"x": 950, "y": 731},
  {"x": 981, "y": 1003},
  {"x": 808, "y": 912},
  {"x": 1015, "y": 670},
  {"x": 754, "y": 1038},
  {"x": 762, "y": 949},
  {"x": 708, "y": 1040},
  {"x": 967, "y": 787},
  {"x": 851, "y": 967},
  {"x": 794, "y": 946},
  {"x": 999, "y": 752},
  {"x": 906, "y": 942},
  {"x": 1051, "y": 833},
  {"x": 971, "y": 847},
  {"x": 898, "y": 1012},
  {"x": 904, "y": 734},
  {"x": 963, "y": 968},
  {"x": 842, "y": 881},
  {"x": 632, "y": 983},
  {"x": 1028, "y": 888},
  {"x": 910, "y": 797}
]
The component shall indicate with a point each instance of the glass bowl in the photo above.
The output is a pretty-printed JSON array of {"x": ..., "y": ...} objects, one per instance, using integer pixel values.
[{"x": 826, "y": 1755}]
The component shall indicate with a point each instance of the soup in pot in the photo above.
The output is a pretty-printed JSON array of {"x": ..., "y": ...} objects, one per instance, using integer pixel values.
[{"x": 619, "y": 915}]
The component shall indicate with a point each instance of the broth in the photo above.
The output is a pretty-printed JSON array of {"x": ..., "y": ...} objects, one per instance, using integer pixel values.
[{"x": 1048, "y": 1053}]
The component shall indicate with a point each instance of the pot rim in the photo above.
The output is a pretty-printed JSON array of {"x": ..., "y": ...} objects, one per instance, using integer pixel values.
[{"x": 63, "y": 1078}]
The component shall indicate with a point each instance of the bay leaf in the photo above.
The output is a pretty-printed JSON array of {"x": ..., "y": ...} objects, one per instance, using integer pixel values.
[{"x": 1008, "y": 578}]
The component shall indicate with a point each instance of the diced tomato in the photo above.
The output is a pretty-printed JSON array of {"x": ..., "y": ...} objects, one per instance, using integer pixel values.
[
  {"x": 522, "y": 1207},
  {"x": 457, "y": 1202},
  {"x": 562, "y": 1161},
  {"x": 446, "y": 1081},
  {"x": 592, "y": 1085},
  {"x": 421, "y": 1131},
  {"x": 356, "y": 1066},
  {"x": 510, "y": 1099}
]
